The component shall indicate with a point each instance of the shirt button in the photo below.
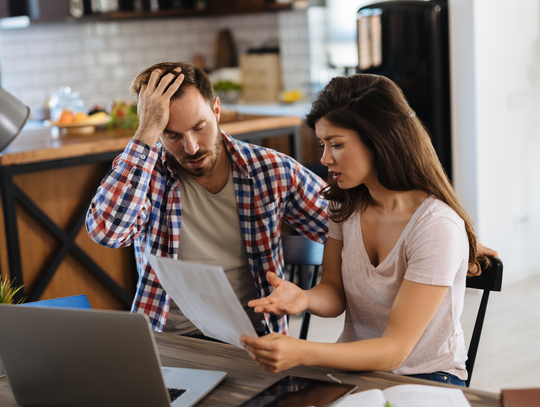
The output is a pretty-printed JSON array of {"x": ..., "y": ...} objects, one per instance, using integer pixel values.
[
  {"x": 143, "y": 156},
  {"x": 129, "y": 186}
]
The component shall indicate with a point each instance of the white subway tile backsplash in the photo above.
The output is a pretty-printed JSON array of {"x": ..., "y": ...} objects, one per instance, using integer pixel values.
[
  {"x": 131, "y": 27},
  {"x": 144, "y": 41},
  {"x": 91, "y": 44},
  {"x": 109, "y": 58},
  {"x": 107, "y": 28},
  {"x": 84, "y": 59},
  {"x": 9, "y": 66},
  {"x": 119, "y": 72},
  {"x": 27, "y": 64},
  {"x": 100, "y": 59},
  {"x": 120, "y": 43},
  {"x": 32, "y": 96},
  {"x": 74, "y": 76},
  {"x": 44, "y": 77},
  {"x": 15, "y": 50},
  {"x": 96, "y": 73},
  {"x": 15, "y": 82},
  {"x": 42, "y": 47},
  {"x": 130, "y": 56},
  {"x": 56, "y": 62}
]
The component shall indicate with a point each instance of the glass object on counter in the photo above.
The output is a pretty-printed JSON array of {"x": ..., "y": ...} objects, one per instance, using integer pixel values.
[{"x": 64, "y": 101}]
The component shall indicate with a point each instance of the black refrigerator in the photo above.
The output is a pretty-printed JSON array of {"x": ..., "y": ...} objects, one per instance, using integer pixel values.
[{"x": 407, "y": 41}]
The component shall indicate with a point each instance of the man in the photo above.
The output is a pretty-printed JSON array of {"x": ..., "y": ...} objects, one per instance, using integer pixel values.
[{"x": 184, "y": 189}]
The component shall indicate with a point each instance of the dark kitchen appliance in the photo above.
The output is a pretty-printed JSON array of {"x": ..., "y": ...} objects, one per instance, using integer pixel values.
[{"x": 407, "y": 41}]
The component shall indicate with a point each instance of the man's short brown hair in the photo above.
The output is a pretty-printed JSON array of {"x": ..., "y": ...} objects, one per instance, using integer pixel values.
[{"x": 193, "y": 76}]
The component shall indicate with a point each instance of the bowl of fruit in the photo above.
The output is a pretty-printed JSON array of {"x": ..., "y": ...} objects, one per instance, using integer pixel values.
[{"x": 79, "y": 122}]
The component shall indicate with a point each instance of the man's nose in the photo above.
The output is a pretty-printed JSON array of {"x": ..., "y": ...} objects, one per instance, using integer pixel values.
[{"x": 191, "y": 146}]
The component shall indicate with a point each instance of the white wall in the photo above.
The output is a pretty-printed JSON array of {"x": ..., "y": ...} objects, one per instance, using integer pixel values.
[
  {"x": 100, "y": 59},
  {"x": 495, "y": 53}
]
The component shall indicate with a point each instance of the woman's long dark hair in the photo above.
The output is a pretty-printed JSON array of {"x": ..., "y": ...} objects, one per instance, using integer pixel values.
[{"x": 375, "y": 108}]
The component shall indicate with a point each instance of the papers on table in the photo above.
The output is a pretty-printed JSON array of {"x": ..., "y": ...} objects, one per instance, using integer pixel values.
[
  {"x": 407, "y": 395},
  {"x": 205, "y": 296}
]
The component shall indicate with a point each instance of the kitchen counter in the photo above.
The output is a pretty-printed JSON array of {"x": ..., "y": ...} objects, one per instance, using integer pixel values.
[
  {"x": 38, "y": 142},
  {"x": 279, "y": 109},
  {"x": 47, "y": 182}
]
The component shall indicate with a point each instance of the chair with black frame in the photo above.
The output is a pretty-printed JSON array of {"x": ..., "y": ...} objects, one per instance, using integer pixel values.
[
  {"x": 489, "y": 280},
  {"x": 300, "y": 252}
]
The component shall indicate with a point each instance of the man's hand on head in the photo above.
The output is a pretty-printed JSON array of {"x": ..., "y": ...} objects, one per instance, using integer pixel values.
[{"x": 153, "y": 106}]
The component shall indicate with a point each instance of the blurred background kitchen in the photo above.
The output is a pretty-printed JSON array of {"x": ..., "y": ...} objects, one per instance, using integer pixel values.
[
  {"x": 96, "y": 47},
  {"x": 99, "y": 54}
]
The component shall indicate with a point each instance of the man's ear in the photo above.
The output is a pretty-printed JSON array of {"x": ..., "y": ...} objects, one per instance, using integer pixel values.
[{"x": 217, "y": 108}]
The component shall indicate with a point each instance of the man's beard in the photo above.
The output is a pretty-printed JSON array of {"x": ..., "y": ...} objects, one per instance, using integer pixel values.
[{"x": 203, "y": 171}]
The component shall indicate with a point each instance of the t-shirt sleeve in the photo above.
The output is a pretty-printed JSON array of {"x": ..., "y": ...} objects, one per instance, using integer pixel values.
[
  {"x": 437, "y": 251},
  {"x": 335, "y": 230}
]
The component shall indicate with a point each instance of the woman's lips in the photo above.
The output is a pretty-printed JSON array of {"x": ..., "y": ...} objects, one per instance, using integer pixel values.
[{"x": 335, "y": 176}]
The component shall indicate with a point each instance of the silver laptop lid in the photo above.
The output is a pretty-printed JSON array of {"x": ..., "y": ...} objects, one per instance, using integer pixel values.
[{"x": 67, "y": 357}]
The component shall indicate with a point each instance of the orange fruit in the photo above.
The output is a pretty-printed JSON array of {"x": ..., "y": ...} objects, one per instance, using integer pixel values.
[
  {"x": 80, "y": 117},
  {"x": 66, "y": 117}
]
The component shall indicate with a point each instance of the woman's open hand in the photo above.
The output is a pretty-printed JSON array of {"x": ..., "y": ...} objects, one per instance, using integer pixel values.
[{"x": 286, "y": 299}]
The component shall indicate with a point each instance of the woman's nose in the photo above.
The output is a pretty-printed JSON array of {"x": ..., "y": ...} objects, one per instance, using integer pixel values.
[{"x": 326, "y": 158}]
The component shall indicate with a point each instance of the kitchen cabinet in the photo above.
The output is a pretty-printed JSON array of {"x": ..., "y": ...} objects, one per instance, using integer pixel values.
[
  {"x": 4, "y": 9},
  {"x": 47, "y": 11},
  {"x": 244, "y": 6},
  {"x": 44, "y": 11}
]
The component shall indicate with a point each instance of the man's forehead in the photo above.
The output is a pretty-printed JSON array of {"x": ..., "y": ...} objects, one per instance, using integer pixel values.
[
  {"x": 190, "y": 95},
  {"x": 189, "y": 110}
]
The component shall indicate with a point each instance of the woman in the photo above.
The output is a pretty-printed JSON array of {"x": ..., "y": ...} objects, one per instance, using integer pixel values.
[{"x": 398, "y": 250}]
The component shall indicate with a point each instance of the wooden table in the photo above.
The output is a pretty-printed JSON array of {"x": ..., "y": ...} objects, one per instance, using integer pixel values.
[
  {"x": 47, "y": 183},
  {"x": 245, "y": 379}
]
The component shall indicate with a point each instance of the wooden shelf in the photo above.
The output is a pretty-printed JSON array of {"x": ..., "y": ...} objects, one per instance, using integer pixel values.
[
  {"x": 213, "y": 8},
  {"x": 134, "y": 15}
]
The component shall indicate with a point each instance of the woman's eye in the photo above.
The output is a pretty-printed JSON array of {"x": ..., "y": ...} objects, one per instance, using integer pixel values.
[
  {"x": 335, "y": 145},
  {"x": 321, "y": 146}
]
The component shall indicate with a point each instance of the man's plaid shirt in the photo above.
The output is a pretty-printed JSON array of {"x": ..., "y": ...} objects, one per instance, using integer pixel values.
[{"x": 139, "y": 203}]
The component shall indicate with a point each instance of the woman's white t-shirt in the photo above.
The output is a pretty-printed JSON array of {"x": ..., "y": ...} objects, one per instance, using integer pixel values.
[{"x": 433, "y": 249}]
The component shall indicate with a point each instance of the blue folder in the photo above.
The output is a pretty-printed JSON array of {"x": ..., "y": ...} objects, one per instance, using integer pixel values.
[{"x": 76, "y": 301}]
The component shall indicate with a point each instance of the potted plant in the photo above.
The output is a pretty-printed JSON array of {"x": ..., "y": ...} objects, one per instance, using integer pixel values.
[
  {"x": 228, "y": 91},
  {"x": 7, "y": 292}
]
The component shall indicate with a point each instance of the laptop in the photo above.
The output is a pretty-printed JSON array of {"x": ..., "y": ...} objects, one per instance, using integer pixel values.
[{"x": 78, "y": 358}]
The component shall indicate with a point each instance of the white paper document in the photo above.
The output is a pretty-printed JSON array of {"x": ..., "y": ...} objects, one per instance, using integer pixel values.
[
  {"x": 205, "y": 296},
  {"x": 407, "y": 395}
]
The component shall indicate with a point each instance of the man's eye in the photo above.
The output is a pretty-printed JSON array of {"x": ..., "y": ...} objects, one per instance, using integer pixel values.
[
  {"x": 169, "y": 134},
  {"x": 199, "y": 128}
]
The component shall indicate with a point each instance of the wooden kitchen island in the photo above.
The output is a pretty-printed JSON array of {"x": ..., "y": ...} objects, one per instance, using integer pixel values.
[{"x": 47, "y": 183}]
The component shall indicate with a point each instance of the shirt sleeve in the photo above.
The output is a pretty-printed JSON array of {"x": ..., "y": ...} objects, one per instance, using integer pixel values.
[
  {"x": 438, "y": 251},
  {"x": 306, "y": 209},
  {"x": 335, "y": 230},
  {"x": 120, "y": 207}
]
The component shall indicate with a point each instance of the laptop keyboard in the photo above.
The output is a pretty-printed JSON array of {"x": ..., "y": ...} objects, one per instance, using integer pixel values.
[{"x": 175, "y": 393}]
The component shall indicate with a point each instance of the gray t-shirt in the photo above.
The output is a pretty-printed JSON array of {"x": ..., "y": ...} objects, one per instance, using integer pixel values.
[
  {"x": 433, "y": 249},
  {"x": 211, "y": 234}
]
